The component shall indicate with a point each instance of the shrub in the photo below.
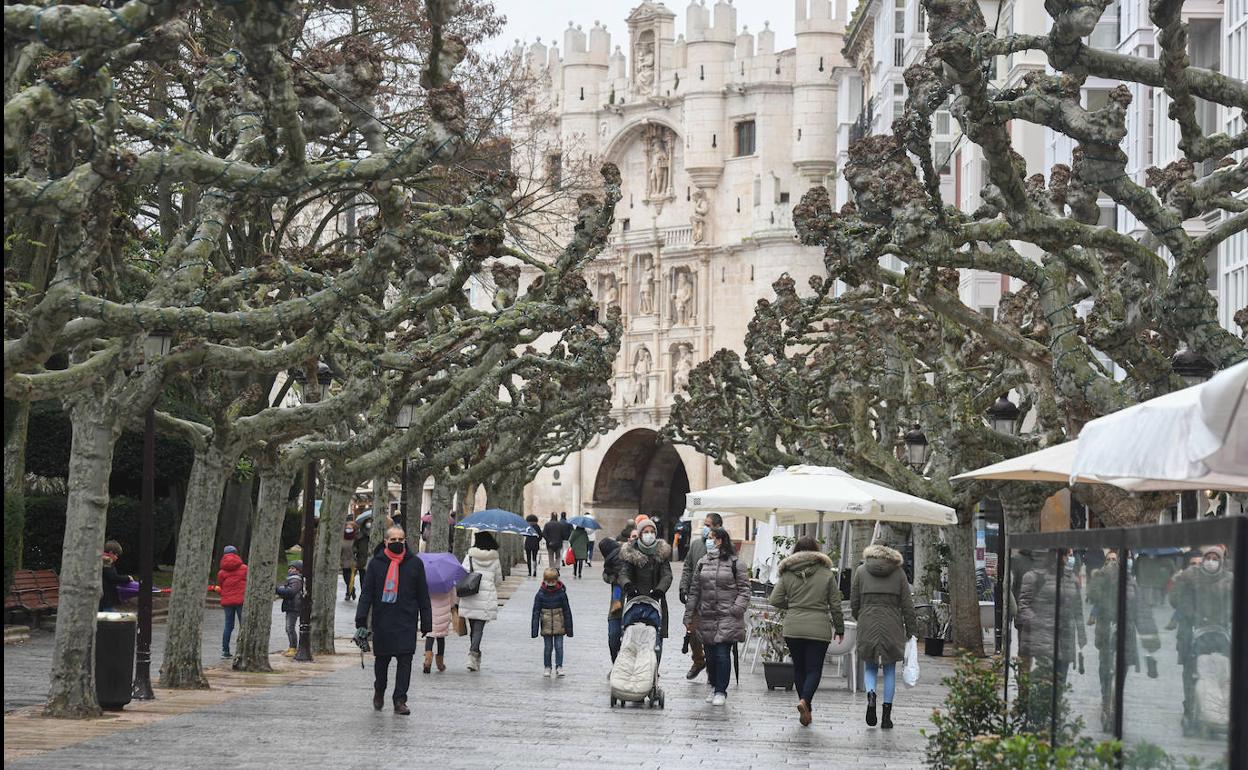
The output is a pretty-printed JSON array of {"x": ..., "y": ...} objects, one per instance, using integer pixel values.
[
  {"x": 44, "y": 532},
  {"x": 292, "y": 523}
]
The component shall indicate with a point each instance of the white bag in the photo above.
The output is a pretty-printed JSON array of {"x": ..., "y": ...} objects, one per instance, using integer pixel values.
[{"x": 910, "y": 666}]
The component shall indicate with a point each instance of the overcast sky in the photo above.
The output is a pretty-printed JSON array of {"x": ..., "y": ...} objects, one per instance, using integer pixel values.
[{"x": 529, "y": 19}]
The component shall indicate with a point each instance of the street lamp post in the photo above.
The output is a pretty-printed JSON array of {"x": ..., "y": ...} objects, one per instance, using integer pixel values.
[
  {"x": 402, "y": 422},
  {"x": 466, "y": 424},
  {"x": 155, "y": 345},
  {"x": 1003, "y": 417},
  {"x": 324, "y": 377},
  {"x": 917, "y": 448}
]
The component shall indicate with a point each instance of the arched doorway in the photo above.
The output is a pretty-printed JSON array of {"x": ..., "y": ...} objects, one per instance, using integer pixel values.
[{"x": 640, "y": 474}]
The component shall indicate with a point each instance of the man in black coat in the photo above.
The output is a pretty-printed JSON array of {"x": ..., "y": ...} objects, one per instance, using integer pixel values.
[
  {"x": 554, "y": 536},
  {"x": 394, "y": 589}
]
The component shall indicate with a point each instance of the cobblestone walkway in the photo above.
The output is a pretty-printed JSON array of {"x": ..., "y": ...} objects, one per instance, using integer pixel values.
[{"x": 509, "y": 716}]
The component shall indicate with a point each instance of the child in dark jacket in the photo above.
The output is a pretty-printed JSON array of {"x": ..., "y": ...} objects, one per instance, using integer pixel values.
[
  {"x": 552, "y": 618},
  {"x": 292, "y": 602}
]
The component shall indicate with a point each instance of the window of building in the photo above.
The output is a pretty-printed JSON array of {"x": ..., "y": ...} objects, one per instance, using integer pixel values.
[
  {"x": 899, "y": 52},
  {"x": 921, "y": 19},
  {"x": 899, "y": 17},
  {"x": 940, "y": 156},
  {"x": 624, "y": 224},
  {"x": 554, "y": 171},
  {"x": 942, "y": 122},
  {"x": 745, "y": 138},
  {"x": 899, "y": 100},
  {"x": 1105, "y": 35},
  {"x": 990, "y": 311}
]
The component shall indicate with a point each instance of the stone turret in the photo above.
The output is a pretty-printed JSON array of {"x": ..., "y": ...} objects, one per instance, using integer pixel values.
[
  {"x": 819, "y": 42},
  {"x": 708, "y": 55},
  {"x": 585, "y": 69}
]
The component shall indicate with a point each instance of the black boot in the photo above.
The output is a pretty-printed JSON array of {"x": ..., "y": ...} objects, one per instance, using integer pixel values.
[
  {"x": 887, "y": 721},
  {"x": 694, "y": 670},
  {"x": 379, "y": 699},
  {"x": 871, "y": 708},
  {"x": 400, "y": 707}
]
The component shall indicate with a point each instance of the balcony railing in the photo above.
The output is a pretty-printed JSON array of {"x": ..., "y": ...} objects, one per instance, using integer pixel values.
[{"x": 862, "y": 126}]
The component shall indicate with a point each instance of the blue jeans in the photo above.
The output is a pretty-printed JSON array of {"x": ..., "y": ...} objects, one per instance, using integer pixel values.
[
  {"x": 615, "y": 637},
  {"x": 231, "y": 614},
  {"x": 719, "y": 665},
  {"x": 553, "y": 643},
  {"x": 591, "y": 552},
  {"x": 890, "y": 679}
]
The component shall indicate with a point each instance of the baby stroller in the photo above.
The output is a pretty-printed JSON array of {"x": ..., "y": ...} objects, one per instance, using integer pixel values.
[
  {"x": 635, "y": 674},
  {"x": 1212, "y": 712}
]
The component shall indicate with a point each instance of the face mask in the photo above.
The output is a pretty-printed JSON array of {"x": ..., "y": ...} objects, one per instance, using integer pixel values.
[
  {"x": 648, "y": 538},
  {"x": 712, "y": 547},
  {"x": 552, "y": 583},
  {"x": 705, "y": 531},
  {"x": 1070, "y": 562},
  {"x": 395, "y": 547},
  {"x": 1211, "y": 565}
]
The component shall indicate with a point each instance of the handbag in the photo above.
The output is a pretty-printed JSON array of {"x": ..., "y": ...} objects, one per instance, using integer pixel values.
[
  {"x": 568, "y": 558},
  {"x": 469, "y": 584},
  {"x": 458, "y": 622}
]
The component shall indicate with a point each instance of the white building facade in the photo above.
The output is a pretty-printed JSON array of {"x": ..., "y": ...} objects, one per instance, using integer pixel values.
[{"x": 717, "y": 136}]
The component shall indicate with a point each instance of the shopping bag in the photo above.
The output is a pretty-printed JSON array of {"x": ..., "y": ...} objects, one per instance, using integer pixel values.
[
  {"x": 458, "y": 622},
  {"x": 910, "y": 668},
  {"x": 568, "y": 558}
]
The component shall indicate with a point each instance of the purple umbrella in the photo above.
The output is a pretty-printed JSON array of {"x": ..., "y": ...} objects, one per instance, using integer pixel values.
[{"x": 442, "y": 572}]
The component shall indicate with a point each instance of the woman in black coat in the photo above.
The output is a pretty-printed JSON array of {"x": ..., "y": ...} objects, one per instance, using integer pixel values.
[{"x": 396, "y": 623}]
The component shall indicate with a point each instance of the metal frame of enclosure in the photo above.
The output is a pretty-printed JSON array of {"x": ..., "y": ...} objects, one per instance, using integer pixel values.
[{"x": 1231, "y": 532}]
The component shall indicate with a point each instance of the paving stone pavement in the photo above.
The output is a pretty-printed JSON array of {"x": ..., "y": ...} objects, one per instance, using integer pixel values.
[{"x": 509, "y": 716}]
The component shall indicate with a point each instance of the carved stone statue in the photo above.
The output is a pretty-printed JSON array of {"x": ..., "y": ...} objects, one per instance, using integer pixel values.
[
  {"x": 610, "y": 293},
  {"x": 645, "y": 298},
  {"x": 683, "y": 299},
  {"x": 645, "y": 67},
  {"x": 701, "y": 209},
  {"x": 681, "y": 368},
  {"x": 642, "y": 363},
  {"x": 658, "y": 165}
]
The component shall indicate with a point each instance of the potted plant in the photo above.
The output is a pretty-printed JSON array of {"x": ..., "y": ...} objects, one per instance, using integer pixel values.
[
  {"x": 777, "y": 666},
  {"x": 935, "y": 618}
]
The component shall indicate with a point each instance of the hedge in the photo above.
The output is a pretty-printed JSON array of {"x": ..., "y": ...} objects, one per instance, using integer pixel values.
[{"x": 45, "y": 530}]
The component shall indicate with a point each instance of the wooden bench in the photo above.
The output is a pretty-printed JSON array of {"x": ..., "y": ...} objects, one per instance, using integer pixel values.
[{"x": 35, "y": 592}]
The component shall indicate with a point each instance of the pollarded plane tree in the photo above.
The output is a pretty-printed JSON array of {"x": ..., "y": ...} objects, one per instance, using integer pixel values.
[
  {"x": 87, "y": 170},
  {"x": 838, "y": 381}
]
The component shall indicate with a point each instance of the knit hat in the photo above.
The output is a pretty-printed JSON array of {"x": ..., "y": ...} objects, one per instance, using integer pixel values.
[
  {"x": 643, "y": 522},
  {"x": 1220, "y": 550},
  {"x": 297, "y": 564},
  {"x": 231, "y": 549}
]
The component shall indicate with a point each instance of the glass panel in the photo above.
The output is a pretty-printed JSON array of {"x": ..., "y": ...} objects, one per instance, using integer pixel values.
[
  {"x": 1177, "y": 695},
  {"x": 1090, "y": 696},
  {"x": 1033, "y": 589}
]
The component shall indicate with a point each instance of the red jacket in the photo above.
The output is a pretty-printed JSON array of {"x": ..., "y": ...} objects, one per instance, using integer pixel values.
[{"x": 232, "y": 580}]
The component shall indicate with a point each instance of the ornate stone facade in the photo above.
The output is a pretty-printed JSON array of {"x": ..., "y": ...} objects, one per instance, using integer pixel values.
[{"x": 717, "y": 136}]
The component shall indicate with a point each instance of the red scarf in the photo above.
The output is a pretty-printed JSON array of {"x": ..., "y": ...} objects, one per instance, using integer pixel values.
[{"x": 390, "y": 589}]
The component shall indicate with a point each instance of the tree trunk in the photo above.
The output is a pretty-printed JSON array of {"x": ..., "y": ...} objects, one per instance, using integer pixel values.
[
  {"x": 72, "y": 689},
  {"x": 183, "y": 666},
  {"x": 238, "y": 508},
  {"x": 967, "y": 632},
  {"x": 381, "y": 511},
  {"x": 16, "y": 424},
  {"x": 328, "y": 562},
  {"x": 439, "y": 512},
  {"x": 266, "y": 535}
]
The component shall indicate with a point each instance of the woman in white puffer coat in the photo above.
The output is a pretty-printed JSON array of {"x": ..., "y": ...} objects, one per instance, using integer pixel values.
[{"x": 481, "y": 607}]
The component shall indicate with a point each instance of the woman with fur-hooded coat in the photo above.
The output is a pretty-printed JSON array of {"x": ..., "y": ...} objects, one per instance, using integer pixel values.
[
  {"x": 807, "y": 591},
  {"x": 646, "y": 568},
  {"x": 881, "y": 602}
]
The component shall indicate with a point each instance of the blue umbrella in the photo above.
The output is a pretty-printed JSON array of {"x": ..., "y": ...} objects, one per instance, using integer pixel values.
[
  {"x": 442, "y": 571},
  {"x": 496, "y": 520},
  {"x": 584, "y": 521}
]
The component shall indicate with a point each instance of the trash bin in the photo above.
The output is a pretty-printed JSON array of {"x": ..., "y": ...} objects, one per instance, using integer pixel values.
[{"x": 114, "y": 658}]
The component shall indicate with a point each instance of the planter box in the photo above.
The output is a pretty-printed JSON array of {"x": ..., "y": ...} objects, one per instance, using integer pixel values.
[
  {"x": 933, "y": 648},
  {"x": 778, "y": 674}
]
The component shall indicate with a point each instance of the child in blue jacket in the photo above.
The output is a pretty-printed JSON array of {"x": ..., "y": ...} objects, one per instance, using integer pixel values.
[{"x": 552, "y": 618}]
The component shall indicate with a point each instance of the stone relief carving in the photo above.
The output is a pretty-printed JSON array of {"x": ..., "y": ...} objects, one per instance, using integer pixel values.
[
  {"x": 684, "y": 298},
  {"x": 701, "y": 210},
  {"x": 643, "y": 362},
  {"x": 645, "y": 285},
  {"x": 682, "y": 367}
]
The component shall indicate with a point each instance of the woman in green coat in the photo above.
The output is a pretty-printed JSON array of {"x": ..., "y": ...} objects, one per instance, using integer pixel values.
[
  {"x": 880, "y": 600},
  {"x": 808, "y": 593},
  {"x": 579, "y": 542}
]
